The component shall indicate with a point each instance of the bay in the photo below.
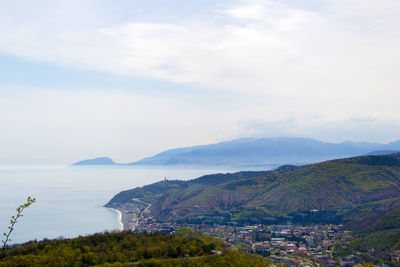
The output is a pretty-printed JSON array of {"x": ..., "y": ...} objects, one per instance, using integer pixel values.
[{"x": 69, "y": 201}]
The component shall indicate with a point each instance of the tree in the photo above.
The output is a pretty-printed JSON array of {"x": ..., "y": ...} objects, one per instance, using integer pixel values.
[{"x": 13, "y": 221}]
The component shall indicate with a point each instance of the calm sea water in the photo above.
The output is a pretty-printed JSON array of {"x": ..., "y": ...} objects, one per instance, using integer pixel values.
[{"x": 69, "y": 200}]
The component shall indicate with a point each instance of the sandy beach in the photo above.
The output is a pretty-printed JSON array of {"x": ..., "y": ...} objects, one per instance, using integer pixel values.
[
  {"x": 119, "y": 218},
  {"x": 128, "y": 218},
  {"x": 124, "y": 218}
]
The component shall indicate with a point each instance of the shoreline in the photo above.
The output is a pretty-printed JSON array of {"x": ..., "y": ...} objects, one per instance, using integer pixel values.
[
  {"x": 122, "y": 226},
  {"x": 129, "y": 216}
]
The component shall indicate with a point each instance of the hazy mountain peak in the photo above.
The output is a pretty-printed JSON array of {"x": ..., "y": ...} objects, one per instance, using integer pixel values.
[{"x": 95, "y": 161}]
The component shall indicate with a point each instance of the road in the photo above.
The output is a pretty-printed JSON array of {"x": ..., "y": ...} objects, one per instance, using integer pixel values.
[{"x": 141, "y": 213}]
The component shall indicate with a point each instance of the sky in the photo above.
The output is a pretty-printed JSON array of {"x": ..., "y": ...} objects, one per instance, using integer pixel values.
[{"x": 130, "y": 78}]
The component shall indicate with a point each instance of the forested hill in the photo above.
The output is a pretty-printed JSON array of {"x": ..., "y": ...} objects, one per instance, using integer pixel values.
[
  {"x": 356, "y": 188},
  {"x": 343, "y": 185},
  {"x": 153, "y": 192},
  {"x": 185, "y": 248}
]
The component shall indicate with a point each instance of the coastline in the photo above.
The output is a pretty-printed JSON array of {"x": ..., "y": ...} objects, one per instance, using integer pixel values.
[{"x": 122, "y": 226}]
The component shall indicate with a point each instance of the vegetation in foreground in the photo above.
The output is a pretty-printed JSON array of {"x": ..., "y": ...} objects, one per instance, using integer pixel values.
[
  {"x": 185, "y": 248},
  {"x": 13, "y": 221}
]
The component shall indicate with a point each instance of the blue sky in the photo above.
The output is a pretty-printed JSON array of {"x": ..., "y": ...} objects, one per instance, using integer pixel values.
[{"x": 128, "y": 79}]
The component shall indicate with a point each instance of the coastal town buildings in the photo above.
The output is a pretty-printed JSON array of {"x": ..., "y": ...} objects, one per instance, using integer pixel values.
[{"x": 291, "y": 244}]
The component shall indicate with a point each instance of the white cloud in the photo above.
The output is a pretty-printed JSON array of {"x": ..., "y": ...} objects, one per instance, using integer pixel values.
[
  {"x": 253, "y": 12},
  {"x": 370, "y": 128},
  {"x": 265, "y": 47},
  {"x": 308, "y": 66}
]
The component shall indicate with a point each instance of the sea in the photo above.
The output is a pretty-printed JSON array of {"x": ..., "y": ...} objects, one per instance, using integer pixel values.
[{"x": 70, "y": 200}]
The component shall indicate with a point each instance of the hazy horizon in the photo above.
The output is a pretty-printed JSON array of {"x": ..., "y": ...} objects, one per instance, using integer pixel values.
[
  {"x": 130, "y": 79},
  {"x": 49, "y": 165}
]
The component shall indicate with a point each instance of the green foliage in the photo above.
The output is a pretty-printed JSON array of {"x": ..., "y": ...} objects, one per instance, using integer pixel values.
[
  {"x": 186, "y": 248},
  {"x": 382, "y": 160},
  {"x": 386, "y": 240},
  {"x": 346, "y": 186},
  {"x": 228, "y": 258},
  {"x": 148, "y": 193},
  {"x": 154, "y": 192},
  {"x": 237, "y": 184},
  {"x": 13, "y": 221}
]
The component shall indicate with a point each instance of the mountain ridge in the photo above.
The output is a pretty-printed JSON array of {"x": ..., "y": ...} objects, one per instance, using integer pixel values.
[{"x": 259, "y": 152}]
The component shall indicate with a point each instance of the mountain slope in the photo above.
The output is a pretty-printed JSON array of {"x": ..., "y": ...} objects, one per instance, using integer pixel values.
[
  {"x": 251, "y": 152},
  {"x": 153, "y": 192},
  {"x": 341, "y": 185},
  {"x": 357, "y": 188},
  {"x": 264, "y": 151}
]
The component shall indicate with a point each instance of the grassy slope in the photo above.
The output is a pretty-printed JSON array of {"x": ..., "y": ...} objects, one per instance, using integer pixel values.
[
  {"x": 380, "y": 231},
  {"x": 343, "y": 185},
  {"x": 153, "y": 192}
]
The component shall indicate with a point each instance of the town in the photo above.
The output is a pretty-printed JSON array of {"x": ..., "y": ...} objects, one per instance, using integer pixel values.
[{"x": 288, "y": 243}]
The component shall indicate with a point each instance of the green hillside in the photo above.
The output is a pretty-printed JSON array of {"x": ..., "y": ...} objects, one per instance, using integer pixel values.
[
  {"x": 380, "y": 231},
  {"x": 364, "y": 192},
  {"x": 184, "y": 248},
  {"x": 348, "y": 186},
  {"x": 153, "y": 192}
]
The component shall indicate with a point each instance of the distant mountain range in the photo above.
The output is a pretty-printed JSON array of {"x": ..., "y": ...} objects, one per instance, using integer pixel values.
[
  {"x": 258, "y": 152},
  {"x": 361, "y": 192}
]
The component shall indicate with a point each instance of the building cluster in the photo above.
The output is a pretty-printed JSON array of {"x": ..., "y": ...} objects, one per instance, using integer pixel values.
[{"x": 292, "y": 244}]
